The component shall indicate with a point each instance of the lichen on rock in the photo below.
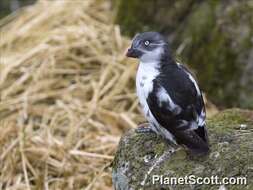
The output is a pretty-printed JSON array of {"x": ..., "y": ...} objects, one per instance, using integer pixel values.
[{"x": 141, "y": 157}]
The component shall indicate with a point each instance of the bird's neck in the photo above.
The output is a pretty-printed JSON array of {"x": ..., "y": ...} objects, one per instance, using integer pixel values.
[
  {"x": 167, "y": 58},
  {"x": 162, "y": 60}
]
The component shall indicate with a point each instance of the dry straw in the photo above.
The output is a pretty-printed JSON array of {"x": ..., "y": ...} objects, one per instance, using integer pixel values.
[{"x": 66, "y": 95}]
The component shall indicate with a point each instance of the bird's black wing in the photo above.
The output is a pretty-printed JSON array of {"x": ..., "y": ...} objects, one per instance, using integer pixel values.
[
  {"x": 199, "y": 102},
  {"x": 200, "y": 108},
  {"x": 176, "y": 105}
]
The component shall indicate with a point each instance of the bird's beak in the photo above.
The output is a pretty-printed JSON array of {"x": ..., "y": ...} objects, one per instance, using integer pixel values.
[{"x": 132, "y": 52}]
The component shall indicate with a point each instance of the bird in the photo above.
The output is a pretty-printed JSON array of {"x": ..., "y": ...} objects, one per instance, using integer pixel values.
[{"x": 168, "y": 93}]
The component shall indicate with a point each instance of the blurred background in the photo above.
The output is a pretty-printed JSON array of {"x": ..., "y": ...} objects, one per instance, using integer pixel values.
[
  {"x": 8, "y": 6},
  {"x": 213, "y": 37},
  {"x": 67, "y": 91}
]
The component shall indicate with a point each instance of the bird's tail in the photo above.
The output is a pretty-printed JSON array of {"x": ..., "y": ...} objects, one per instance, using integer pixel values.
[{"x": 195, "y": 140}]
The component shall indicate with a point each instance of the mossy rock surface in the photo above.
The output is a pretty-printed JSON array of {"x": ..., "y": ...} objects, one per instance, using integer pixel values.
[
  {"x": 214, "y": 37},
  {"x": 142, "y": 156}
]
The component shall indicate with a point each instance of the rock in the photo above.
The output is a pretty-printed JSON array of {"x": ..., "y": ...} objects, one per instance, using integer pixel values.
[
  {"x": 142, "y": 158},
  {"x": 213, "y": 37}
]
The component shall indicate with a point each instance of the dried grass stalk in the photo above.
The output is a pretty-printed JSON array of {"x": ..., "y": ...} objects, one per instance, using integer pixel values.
[{"x": 66, "y": 92}]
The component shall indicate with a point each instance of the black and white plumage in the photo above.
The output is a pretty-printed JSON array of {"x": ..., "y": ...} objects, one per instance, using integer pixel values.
[{"x": 168, "y": 93}]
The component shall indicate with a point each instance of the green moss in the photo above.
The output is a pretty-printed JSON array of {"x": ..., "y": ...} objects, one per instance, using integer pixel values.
[
  {"x": 159, "y": 149},
  {"x": 231, "y": 155},
  {"x": 229, "y": 120},
  {"x": 232, "y": 116}
]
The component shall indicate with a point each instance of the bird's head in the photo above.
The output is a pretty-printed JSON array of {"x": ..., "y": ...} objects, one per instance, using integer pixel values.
[{"x": 148, "y": 47}]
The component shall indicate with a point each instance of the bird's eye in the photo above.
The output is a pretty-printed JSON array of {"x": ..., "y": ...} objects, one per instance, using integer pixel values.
[{"x": 146, "y": 43}]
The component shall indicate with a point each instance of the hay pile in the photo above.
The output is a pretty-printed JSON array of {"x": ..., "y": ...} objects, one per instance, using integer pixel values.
[{"x": 66, "y": 92}]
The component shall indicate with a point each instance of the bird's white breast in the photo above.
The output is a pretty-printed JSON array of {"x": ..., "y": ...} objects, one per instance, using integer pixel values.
[
  {"x": 146, "y": 73},
  {"x": 144, "y": 85}
]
